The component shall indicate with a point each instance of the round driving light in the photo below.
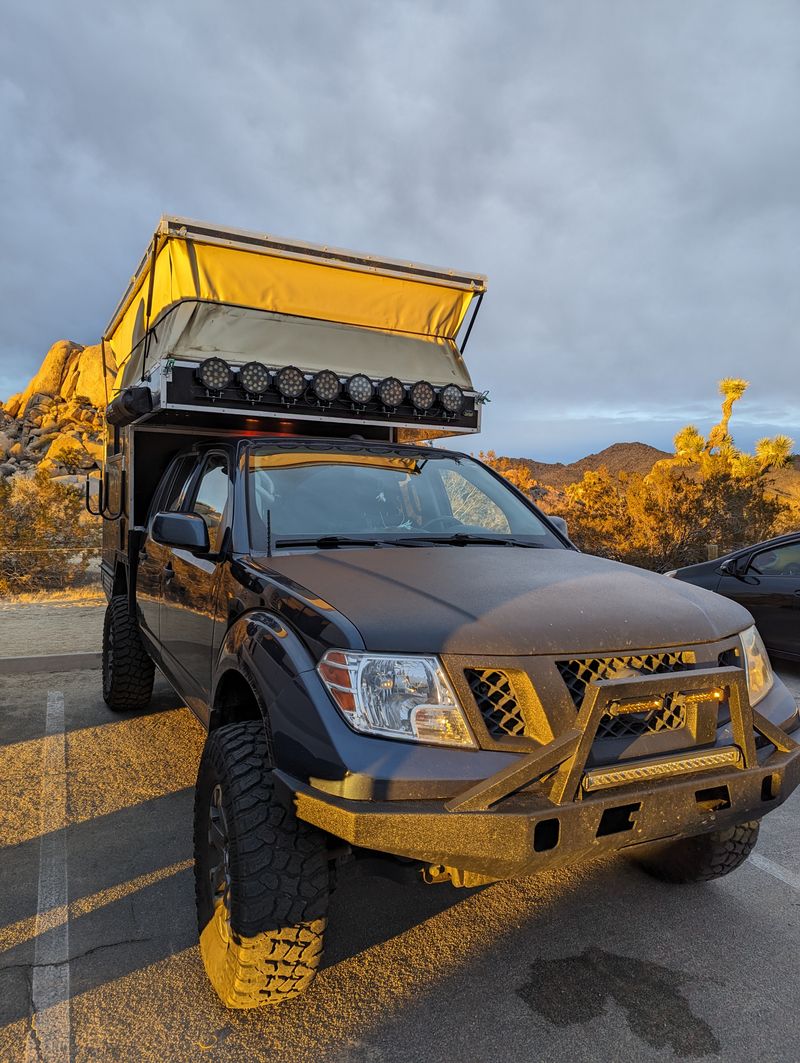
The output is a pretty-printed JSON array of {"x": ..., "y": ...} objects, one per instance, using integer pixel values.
[
  {"x": 452, "y": 398},
  {"x": 326, "y": 386},
  {"x": 422, "y": 395},
  {"x": 391, "y": 392},
  {"x": 254, "y": 378},
  {"x": 290, "y": 382},
  {"x": 359, "y": 388},
  {"x": 214, "y": 374}
]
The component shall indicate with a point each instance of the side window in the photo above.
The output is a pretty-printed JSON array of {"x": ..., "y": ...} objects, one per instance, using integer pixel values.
[
  {"x": 211, "y": 496},
  {"x": 470, "y": 505},
  {"x": 174, "y": 484},
  {"x": 780, "y": 561}
]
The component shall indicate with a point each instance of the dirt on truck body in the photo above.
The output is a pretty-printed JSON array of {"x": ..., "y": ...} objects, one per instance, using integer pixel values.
[{"x": 399, "y": 660}]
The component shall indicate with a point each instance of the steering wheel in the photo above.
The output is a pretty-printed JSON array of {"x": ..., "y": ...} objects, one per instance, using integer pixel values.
[{"x": 441, "y": 522}]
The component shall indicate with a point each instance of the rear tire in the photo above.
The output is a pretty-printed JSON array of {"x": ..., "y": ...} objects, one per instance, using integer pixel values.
[
  {"x": 704, "y": 857},
  {"x": 262, "y": 878},
  {"x": 128, "y": 671}
]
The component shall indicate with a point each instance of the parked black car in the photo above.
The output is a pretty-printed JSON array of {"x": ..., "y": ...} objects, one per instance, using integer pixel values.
[{"x": 765, "y": 579}]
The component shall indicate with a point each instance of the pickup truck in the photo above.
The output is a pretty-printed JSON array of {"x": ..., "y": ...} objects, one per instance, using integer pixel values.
[{"x": 399, "y": 660}]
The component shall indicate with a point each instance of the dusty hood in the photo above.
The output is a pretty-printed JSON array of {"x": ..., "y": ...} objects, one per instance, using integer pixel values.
[{"x": 506, "y": 600}]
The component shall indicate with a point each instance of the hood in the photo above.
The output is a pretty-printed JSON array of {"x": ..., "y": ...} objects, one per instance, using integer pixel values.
[{"x": 506, "y": 601}]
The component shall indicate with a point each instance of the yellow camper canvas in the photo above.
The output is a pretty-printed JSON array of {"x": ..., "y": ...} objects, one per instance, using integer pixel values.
[{"x": 188, "y": 261}]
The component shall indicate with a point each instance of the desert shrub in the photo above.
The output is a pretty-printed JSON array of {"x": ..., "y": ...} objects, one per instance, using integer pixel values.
[
  {"x": 708, "y": 492},
  {"x": 46, "y": 542},
  {"x": 668, "y": 518}
]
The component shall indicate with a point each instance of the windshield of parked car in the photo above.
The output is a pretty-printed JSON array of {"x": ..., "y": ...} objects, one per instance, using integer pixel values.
[{"x": 382, "y": 496}]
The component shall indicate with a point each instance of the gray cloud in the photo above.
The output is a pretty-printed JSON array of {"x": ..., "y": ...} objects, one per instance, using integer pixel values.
[{"x": 627, "y": 174}]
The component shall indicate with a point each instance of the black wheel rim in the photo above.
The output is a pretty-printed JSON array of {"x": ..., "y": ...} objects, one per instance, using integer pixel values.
[{"x": 219, "y": 874}]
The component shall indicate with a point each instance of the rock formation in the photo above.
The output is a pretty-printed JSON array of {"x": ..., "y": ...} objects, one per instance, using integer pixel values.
[{"x": 56, "y": 423}]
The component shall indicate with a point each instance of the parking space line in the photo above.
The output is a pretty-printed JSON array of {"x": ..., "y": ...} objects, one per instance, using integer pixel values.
[
  {"x": 49, "y": 1038},
  {"x": 776, "y": 870}
]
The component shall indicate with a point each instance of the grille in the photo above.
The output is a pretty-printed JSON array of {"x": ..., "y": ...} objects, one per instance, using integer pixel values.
[
  {"x": 577, "y": 674},
  {"x": 496, "y": 702},
  {"x": 634, "y": 724}
]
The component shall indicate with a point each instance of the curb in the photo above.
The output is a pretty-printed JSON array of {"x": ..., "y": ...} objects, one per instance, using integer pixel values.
[{"x": 53, "y": 662}]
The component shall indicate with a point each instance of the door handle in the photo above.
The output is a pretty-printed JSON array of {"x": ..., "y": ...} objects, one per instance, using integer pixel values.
[{"x": 169, "y": 571}]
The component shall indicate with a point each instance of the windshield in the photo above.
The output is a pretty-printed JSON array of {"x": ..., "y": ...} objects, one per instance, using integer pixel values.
[{"x": 322, "y": 496}]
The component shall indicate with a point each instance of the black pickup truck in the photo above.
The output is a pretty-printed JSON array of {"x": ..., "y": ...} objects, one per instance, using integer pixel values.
[{"x": 399, "y": 658}]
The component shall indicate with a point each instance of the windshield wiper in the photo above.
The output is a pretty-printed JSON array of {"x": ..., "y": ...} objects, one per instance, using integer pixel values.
[
  {"x": 331, "y": 542},
  {"x": 465, "y": 539}
]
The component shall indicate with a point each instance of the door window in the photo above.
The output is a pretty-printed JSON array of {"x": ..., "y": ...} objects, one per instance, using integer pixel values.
[
  {"x": 779, "y": 561},
  {"x": 211, "y": 497}
]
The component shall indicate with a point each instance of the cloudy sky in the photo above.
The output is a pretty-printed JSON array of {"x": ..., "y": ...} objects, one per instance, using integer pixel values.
[{"x": 626, "y": 172}]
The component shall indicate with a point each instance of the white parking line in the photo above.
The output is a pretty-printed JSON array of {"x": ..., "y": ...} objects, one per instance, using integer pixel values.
[
  {"x": 776, "y": 870},
  {"x": 49, "y": 1038}
]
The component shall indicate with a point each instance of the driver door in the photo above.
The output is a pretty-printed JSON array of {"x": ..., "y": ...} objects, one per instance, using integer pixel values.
[
  {"x": 770, "y": 590},
  {"x": 188, "y": 601}
]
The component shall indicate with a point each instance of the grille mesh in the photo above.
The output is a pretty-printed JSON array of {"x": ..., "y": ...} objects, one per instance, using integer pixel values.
[
  {"x": 577, "y": 674},
  {"x": 495, "y": 699}
]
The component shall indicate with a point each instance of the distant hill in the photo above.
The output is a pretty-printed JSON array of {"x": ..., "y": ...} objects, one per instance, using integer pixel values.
[{"x": 619, "y": 457}]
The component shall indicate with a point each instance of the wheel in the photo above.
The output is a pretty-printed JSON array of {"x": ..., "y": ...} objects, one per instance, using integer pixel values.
[
  {"x": 261, "y": 875},
  {"x": 128, "y": 671},
  {"x": 703, "y": 857}
]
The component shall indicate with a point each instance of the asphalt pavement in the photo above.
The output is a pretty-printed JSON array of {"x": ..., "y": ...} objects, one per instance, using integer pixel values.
[{"x": 592, "y": 963}]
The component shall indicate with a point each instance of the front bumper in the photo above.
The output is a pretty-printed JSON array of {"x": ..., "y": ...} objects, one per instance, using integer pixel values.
[
  {"x": 544, "y": 810},
  {"x": 526, "y": 833}
]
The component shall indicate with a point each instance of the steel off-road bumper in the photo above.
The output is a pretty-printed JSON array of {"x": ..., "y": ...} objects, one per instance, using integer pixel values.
[{"x": 547, "y": 810}]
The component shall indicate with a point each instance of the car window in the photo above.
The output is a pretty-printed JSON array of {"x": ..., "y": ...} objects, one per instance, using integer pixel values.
[
  {"x": 211, "y": 497},
  {"x": 778, "y": 561},
  {"x": 471, "y": 505},
  {"x": 387, "y": 493},
  {"x": 173, "y": 486}
]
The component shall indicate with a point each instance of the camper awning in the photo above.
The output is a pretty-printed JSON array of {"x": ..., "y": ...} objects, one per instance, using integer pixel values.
[{"x": 191, "y": 261}]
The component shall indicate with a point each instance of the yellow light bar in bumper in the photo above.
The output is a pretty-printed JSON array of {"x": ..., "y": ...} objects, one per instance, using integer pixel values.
[{"x": 665, "y": 767}]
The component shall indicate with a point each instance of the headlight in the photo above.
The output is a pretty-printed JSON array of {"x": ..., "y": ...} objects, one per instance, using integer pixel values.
[
  {"x": 756, "y": 666},
  {"x": 395, "y": 696}
]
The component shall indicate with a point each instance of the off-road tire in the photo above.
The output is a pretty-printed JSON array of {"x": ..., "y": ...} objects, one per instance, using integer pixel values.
[
  {"x": 261, "y": 941},
  {"x": 703, "y": 857},
  {"x": 128, "y": 671}
]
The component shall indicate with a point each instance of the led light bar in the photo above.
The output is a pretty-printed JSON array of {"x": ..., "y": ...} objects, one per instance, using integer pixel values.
[
  {"x": 391, "y": 392},
  {"x": 214, "y": 374},
  {"x": 290, "y": 382},
  {"x": 359, "y": 388},
  {"x": 254, "y": 378},
  {"x": 666, "y": 767},
  {"x": 326, "y": 386},
  {"x": 452, "y": 399},
  {"x": 628, "y": 705},
  {"x": 422, "y": 396}
]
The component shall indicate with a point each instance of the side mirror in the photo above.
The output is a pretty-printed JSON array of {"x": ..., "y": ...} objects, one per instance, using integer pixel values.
[
  {"x": 184, "y": 530},
  {"x": 734, "y": 566},
  {"x": 561, "y": 524}
]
